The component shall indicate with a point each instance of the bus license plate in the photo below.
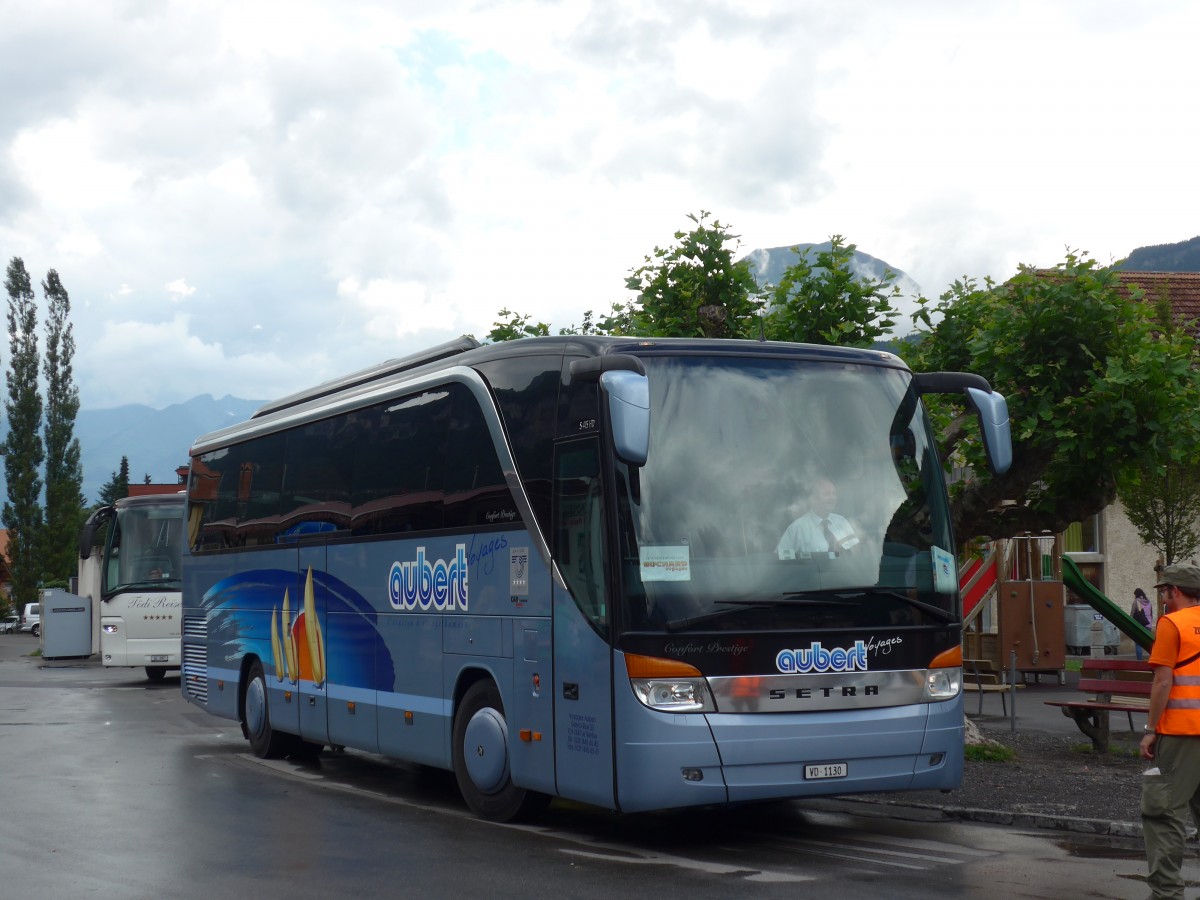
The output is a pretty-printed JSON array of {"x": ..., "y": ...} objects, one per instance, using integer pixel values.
[
  {"x": 158, "y": 659},
  {"x": 826, "y": 770}
]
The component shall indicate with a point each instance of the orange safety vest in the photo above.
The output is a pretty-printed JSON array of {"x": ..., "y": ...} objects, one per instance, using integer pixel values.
[{"x": 1182, "y": 715}]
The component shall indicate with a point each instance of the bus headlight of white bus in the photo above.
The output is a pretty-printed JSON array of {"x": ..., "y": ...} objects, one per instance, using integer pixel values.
[
  {"x": 668, "y": 685},
  {"x": 943, "y": 678}
]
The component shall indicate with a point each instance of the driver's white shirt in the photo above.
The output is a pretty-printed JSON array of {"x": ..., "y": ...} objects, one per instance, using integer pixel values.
[{"x": 805, "y": 536}]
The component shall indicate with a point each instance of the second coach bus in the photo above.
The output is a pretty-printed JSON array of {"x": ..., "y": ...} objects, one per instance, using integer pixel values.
[
  {"x": 133, "y": 580},
  {"x": 643, "y": 574}
]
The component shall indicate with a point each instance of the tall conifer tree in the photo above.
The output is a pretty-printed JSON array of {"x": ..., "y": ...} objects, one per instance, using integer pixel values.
[
  {"x": 64, "y": 471},
  {"x": 23, "y": 448},
  {"x": 117, "y": 487}
]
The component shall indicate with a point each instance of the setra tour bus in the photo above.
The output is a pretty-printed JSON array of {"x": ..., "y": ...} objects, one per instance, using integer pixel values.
[
  {"x": 133, "y": 581},
  {"x": 586, "y": 567}
]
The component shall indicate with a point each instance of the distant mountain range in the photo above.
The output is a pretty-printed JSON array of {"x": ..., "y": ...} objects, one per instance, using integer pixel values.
[
  {"x": 768, "y": 265},
  {"x": 156, "y": 441},
  {"x": 1181, "y": 257}
]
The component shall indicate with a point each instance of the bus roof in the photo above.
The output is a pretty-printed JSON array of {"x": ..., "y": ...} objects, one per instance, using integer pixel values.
[{"x": 466, "y": 351}]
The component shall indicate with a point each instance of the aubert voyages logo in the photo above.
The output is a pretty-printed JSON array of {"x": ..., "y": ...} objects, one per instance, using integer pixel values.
[
  {"x": 421, "y": 583},
  {"x": 817, "y": 659}
]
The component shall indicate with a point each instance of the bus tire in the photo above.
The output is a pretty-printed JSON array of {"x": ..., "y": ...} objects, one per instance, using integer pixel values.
[
  {"x": 156, "y": 673},
  {"x": 481, "y": 758},
  {"x": 265, "y": 741}
]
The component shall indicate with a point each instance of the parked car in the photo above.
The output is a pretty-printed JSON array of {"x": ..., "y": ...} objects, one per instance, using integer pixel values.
[
  {"x": 32, "y": 619},
  {"x": 10, "y": 625}
]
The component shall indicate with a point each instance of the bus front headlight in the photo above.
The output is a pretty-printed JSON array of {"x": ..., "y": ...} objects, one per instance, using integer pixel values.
[
  {"x": 943, "y": 684},
  {"x": 668, "y": 685},
  {"x": 673, "y": 696}
]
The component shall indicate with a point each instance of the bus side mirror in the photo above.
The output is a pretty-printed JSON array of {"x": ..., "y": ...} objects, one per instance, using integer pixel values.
[
  {"x": 628, "y": 395},
  {"x": 990, "y": 407},
  {"x": 87, "y": 535},
  {"x": 992, "y": 410}
]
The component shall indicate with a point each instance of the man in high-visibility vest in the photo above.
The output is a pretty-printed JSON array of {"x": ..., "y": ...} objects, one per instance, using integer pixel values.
[{"x": 1172, "y": 740}]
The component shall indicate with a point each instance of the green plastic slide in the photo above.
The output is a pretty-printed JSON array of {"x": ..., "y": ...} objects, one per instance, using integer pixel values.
[{"x": 1074, "y": 579}]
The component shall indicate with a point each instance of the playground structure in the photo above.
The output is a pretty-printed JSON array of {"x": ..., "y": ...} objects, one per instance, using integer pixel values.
[{"x": 1014, "y": 607}]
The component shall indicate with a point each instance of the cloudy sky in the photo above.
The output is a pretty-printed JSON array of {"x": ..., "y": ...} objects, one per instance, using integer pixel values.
[{"x": 250, "y": 197}]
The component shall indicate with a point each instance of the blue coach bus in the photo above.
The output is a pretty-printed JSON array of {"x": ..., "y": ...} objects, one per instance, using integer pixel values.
[{"x": 642, "y": 574}]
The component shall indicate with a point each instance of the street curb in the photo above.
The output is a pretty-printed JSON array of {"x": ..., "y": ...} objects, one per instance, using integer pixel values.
[{"x": 1016, "y": 820}]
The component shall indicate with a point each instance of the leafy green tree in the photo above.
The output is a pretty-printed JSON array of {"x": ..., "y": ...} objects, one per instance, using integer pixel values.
[
  {"x": 691, "y": 289},
  {"x": 1163, "y": 504},
  {"x": 1162, "y": 500},
  {"x": 1094, "y": 388},
  {"x": 822, "y": 301},
  {"x": 117, "y": 486},
  {"x": 23, "y": 452},
  {"x": 64, "y": 472},
  {"x": 511, "y": 326}
]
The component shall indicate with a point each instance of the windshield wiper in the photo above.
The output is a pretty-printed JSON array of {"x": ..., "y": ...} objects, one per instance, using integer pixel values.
[
  {"x": 936, "y": 611},
  {"x": 149, "y": 582}
]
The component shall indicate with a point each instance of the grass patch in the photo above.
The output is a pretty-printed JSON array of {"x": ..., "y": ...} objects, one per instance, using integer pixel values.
[
  {"x": 988, "y": 753},
  {"x": 1115, "y": 748},
  {"x": 1074, "y": 665}
]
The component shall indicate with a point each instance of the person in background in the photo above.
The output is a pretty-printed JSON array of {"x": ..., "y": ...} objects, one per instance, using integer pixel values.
[
  {"x": 1171, "y": 787},
  {"x": 1143, "y": 612}
]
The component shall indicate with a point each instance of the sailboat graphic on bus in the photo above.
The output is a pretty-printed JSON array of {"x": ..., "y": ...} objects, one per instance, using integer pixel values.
[{"x": 298, "y": 647}]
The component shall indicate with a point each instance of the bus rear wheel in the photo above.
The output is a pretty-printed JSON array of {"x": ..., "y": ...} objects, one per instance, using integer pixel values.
[
  {"x": 265, "y": 741},
  {"x": 481, "y": 758},
  {"x": 156, "y": 673}
]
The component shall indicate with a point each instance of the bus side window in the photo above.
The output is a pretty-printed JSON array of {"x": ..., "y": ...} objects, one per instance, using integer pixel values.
[
  {"x": 526, "y": 391},
  {"x": 476, "y": 491},
  {"x": 579, "y": 527}
]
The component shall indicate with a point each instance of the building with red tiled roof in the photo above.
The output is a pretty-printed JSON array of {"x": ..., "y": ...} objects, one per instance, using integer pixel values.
[
  {"x": 1181, "y": 288},
  {"x": 1107, "y": 547}
]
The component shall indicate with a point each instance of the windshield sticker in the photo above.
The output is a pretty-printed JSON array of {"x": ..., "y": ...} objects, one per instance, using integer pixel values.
[
  {"x": 817, "y": 659},
  {"x": 945, "y": 573},
  {"x": 666, "y": 563}
]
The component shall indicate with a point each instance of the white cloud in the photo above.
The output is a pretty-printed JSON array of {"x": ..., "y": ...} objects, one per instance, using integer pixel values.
[
  {"x": 347, "y": 182},
  {"x": 180, "y": 288}
]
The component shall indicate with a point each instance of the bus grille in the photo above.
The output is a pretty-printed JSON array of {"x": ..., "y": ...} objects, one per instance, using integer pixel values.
[{"x": 195, "y": 658}]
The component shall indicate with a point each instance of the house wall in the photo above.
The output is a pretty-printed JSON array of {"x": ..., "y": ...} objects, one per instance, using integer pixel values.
[{"x": 1128, "y": 562}]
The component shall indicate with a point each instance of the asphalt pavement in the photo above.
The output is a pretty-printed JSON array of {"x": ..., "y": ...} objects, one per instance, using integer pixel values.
[{"x": 1029, "y": 714}]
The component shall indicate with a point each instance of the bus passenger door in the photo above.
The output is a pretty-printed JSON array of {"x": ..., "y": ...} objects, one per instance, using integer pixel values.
[
  {"x": 583, "y": 721},
  {"x": 311, "y": 642}
]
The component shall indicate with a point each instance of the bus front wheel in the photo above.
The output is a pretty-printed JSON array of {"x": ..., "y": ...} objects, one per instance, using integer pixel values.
[
  {"x": 481, "y": 758},
  {"x": 266, "y": 742}
]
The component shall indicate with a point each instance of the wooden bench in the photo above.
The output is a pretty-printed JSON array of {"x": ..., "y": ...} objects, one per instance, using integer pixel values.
[
  {"x": 1118, "y": 685},
  {"x": 983, "y": 677}
]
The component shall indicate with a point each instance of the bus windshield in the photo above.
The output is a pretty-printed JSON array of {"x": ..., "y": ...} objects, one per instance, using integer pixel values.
[
  {"x": 143, "y": 551},
  {"x": 784, "y": 493}
]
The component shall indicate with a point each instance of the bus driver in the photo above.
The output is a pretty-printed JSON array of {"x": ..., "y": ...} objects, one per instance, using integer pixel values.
[{"x": 820, "y": 530}]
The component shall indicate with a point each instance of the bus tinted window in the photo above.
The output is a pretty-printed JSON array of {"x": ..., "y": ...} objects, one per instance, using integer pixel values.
[
  {"x": 526, "y": 390},
  {"x": 399, "y": 461},
  {"x": 316, "y": 490},
  {"x": 476, "y": 492},
  {"x": 410, "y": 464}
]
